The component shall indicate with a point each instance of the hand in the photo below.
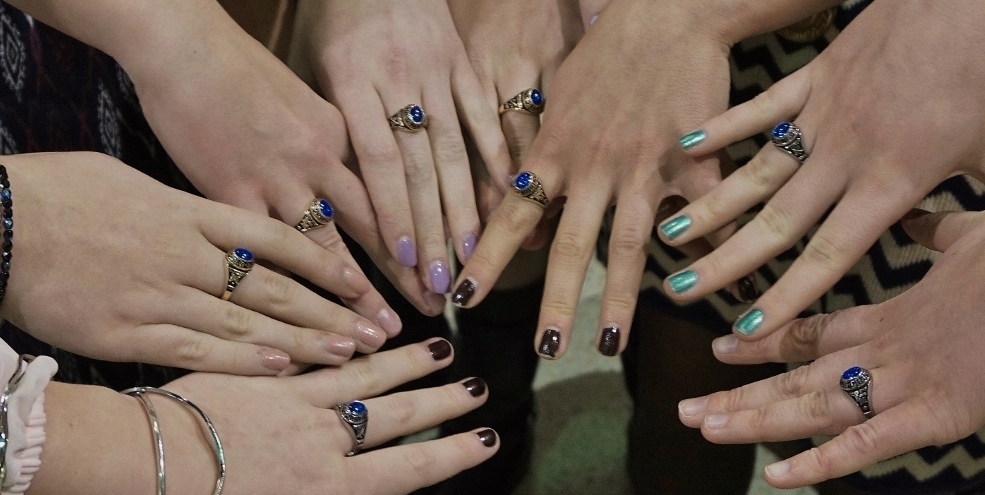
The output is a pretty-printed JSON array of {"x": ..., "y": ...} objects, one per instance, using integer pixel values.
[
  {"x": 923, "y": 349},
  {"x": 280, "y": 435},
  {"x": 374, "y": 57},
  {"x": 617, "y": 106},
  {"x": 110, "y": 264},
  {"x": 881, "y": 136}
]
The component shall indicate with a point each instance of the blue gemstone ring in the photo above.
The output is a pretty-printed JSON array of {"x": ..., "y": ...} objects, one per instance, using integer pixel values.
[
  {"x": 319, "y": 212},
  {"x": 787, "y": 137},
  {"x": 356, "y": 416},
  {"x": 857, "y": 383},
  {"x": 239, "y": 262},
  {"x": 528, "y": 101},
  {"x": 528, "y": 186},
  {"x": 410, "y": 118}
]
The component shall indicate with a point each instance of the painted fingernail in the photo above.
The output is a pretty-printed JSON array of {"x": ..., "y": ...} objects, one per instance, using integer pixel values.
[
  {"x": 778, "y": 469},
  {"x": 692, "y": 407},
  {"x": 274, "y": 360},
  {"x": 693, "y": 139},
  {"x": 683, "y": 282},
  {"x": 716, "y": 421},
  {"x": 676, "y": 226},
  {"x": 747, "y": 289},
  {"x": 468, "y": 245},
  {"x": 463, "y": 294},
  {"x": 370, "y": 336},
  {"x": 475, "y": 386},
  {"x": 725, "y": 345},
  {"x": 750, "y": 322},
  {"x": 389, "y": 322},
  {"x": 440, "y": 349},
  {"x": 340, "y": 347},
  {"x": 355, "y": 281},
  {"x": 550, "y": 342},
  {"x": 440, "y": 277},
  {"x": 487, "y": 437},
  {"x": 609, "y": 343},
  {"x": 406, "y": 252}
]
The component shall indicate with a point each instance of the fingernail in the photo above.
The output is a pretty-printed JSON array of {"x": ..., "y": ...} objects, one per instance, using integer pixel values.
[
  {"x": 609, "y": 343},
  {"x": 749, "y": 322},
  {"x": 683, "y": 282},
  {"x": 693, "y": 139},
  {"x": 468, "y": 245},
  {"x": 550, "y": 342},
  {"x": 475, "y": 386},
  {"x": 676, "y": 226},
  {"x": 487, "y": 437},
  {"x": 463, "y": 294},
  {"x": 716, "y": 421},
  {"x": 354, "y": 281},
  {"x": 440, "y": 277},
  {"x": 340, "y": 347},
  {"x": 440, "y": 349},
  {"x": 725, "y": 345},
  {"x": 274, "y": 359},
  {"x": 778, "y": 469},
  {"x": 370, "y": 336},
  {"x": 692, "y": 407},
  {"x": 389, "y": 321},
  {"x": 406, "y": 252},
  {"x": 747, "y": 289}
]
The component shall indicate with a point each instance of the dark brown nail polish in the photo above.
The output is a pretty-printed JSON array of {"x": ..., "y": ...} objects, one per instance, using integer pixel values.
[
  {"x": 487, "y": 437},
  {"x": 463, "y": 293},
  {"x": 747, "y": 289},
  {"x": 475, "y": 386},
  {"x": 609, "y": 343},
  {"x": 440, "y": 349},
  {"x": 550, "y": 343}
]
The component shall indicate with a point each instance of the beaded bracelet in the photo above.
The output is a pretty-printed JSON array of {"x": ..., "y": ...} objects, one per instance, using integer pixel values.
[{"x": 7, "y": 228}]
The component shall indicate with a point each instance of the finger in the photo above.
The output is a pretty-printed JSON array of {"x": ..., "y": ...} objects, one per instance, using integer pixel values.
[
  {"x": 896, "y": 431},
  {"x": 406, "y": 413},
  {"x": 193, "y": 350},
  {"x": 781, "y": 102},
  {"x": 519, "y": 128},
  {"x": 455, "y": 181},
  {"x": 405, "y": 468},
  {"x": 938, "y": 231},
  {"x": 480, "y": 117},
  {"x": 804, "y": 339},
  {"x": 371, "y": 375}
]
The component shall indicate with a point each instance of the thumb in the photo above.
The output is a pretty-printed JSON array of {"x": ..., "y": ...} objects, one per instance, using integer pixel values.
[{"x": 938, "y": 231}]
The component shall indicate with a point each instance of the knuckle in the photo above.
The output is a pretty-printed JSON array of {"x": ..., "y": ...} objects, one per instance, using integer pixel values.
[
  {"x": 760, "y": 174},
  {"x": 557, "y": 307},
  {"x": 946, "y": 427},
  {"x": 630, "y": 242},
  {"x": 193, "y": 351},
  {"x": 380, "y": 152},
  {"x": 360, "y": 371},
  {"x": 450, "y": 150},
  {"x": 422, "y": 461},
  {"x": 512, "y": 218},
  {"x": 732, "y": 400},
  {"x": 861, "y": 439},
  {"x": 822, "y": 252},
  {"x": 791, "y": 383},
  {"x": 571, "y": 247},
  {"x": 818, "y": 463},
  {"x": 281, "y": 291},
  {"x": 804, "y": 336},
  {"x": 419, "y": 172},
  {"x": 817, "y": 408},
  {"x": 403, "y": 409},
  {"x": 775, "y": 220},
  {"x": 621, "y": 302},
  {"x": 238, "y": 322}
]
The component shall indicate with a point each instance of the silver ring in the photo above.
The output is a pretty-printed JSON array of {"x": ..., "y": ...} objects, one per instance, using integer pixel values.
[
  {"x": 239, "y": 262},
  {"x": 319, "y": 212},
  {"x": 355, "y": 415},
  {"x": 787, "y": 137},
  {"x": 857, "y": 383},
  {"x": 410, "y": 118},
  {"x": 528, "y": 101},
  {"x": 528, "y": 186}
]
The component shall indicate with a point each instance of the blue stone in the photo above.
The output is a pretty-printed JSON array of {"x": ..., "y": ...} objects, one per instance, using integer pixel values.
[
  {"x": 523, "y": 181},
  {"x": 5, "y": 194},
  {"x": 781, "y": 130},
  {"x": 416, "y": 114},
  {"x": 8, "y": 223},
  {"x": 357, "y": 408},
  {"x": 851, "y": 373},
  {"x": 326, "y": 208},
  {"x": 243, "y": 254},
  {"x": 536, "y": 97}
]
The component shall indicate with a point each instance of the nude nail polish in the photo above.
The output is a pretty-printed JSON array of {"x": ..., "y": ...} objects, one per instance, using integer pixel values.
[
  {"x": 550, "y": 342},
  {"x": 370, "y": 336},
  {"x": 274, "y": 360}
]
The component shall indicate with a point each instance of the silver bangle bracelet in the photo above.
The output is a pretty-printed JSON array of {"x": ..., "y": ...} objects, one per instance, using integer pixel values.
[
  {"x": 220, "y": 454},
  {"x": 155, "y": 427},
  {"x": 15, "y": 381}
]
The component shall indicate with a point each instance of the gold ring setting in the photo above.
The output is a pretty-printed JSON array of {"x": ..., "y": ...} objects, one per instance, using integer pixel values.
[
  {"x": 528, "y": 186},
  {"x": 239, "y": 262},
  {"x": 410, "y": 118},
  {"x": 319, "y": 213},
  {"x": 529, "y": 101}
]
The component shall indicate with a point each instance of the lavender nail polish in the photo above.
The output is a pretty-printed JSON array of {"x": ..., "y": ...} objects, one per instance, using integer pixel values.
[
  {"x": 406, "y": 252},
  {"x": 440, "y": 277},
  {"x": 463, "y": 294},
  {"x": 468, "y": 245},
  {"x": 550, "y": 342}
]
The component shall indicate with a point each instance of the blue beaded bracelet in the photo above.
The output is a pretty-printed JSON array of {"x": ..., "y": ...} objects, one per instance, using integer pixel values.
[{"x": 6, "y": 230}]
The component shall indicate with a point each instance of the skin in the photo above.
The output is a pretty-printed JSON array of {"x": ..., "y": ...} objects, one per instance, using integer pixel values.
[
  {"x": 280, "y": 435},
  {"x": 863, "y": 164},
  {"x": 923, "y": 349}
]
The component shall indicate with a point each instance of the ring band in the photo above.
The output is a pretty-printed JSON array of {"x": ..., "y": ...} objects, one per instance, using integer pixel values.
[
  {"x": 356, "y": 416},
  {"x": 787, "y": 137},
  {"x": 857, "y": 383},
  {"x": 528, "y": 101},
  {"x": 319, "y": 213},
  {"x": 239, "y": 262},
  {"x": 528, "y": 186},
  {"x": 410, "y": 118}
]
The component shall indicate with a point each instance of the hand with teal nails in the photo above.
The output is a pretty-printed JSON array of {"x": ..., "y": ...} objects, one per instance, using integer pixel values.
[
  {"x": 880, "y": 135},
  {"x": 923, "y": 350}
]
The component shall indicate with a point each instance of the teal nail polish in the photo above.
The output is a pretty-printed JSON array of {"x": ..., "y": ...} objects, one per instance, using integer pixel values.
[
  {"x": 682, "y": 282},
  {"x": 676, "y": 226},
  {"x": 693, "y": 139},
  {"x": 750, "y": 322}
]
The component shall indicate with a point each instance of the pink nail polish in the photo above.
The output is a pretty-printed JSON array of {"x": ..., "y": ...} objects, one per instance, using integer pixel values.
[
  {"x": 389, "y": 322},
  {"x": 274, "y": 360},
  {"x": 370, "y": 336}
]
